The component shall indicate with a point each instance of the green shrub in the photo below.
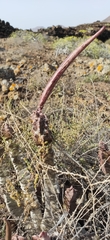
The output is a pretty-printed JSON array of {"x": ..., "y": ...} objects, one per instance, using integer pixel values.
[
  {"x": 64, "y": 45},
  {"x": 108, "y": 41},
  {"x": 95, "y": 50},
  {"x": 27, "y": 36}
]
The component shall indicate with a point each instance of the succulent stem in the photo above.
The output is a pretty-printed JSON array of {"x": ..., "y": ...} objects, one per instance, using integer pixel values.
[{"x": 52, "y": 82}]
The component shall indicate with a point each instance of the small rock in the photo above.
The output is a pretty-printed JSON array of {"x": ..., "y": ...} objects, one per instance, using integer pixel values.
[
  {"x": 17, "y": 70},
  {"x": 50, "y": 67},
  {"x": 8, "y": 60},
  {"x": 3, "y": 118},
  {"x": 46, "y": 68},
  {"x": 1, "y": 98},
  {"x": 22, "y": 62},
  {"x": 15, "y": 86},
  {"x": 12, "y": 87},
  {"x": 13, "y": 95},
  {"x": 5, "y": 86},
  {"x": 21, "y": 80}
]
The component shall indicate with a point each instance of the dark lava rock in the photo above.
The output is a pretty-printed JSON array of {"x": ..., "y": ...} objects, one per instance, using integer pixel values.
[
  {"x": 7, "y": 73},
  {"x": 79, "y": 31},
  {"x": 6, "y": 29}
]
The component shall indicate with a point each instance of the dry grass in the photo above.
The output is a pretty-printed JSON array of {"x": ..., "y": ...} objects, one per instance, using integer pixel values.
[{"x": 77, "y": 125}]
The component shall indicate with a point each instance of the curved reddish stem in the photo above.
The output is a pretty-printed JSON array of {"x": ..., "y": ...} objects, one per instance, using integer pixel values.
[{"x": 52, "y": 82}]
